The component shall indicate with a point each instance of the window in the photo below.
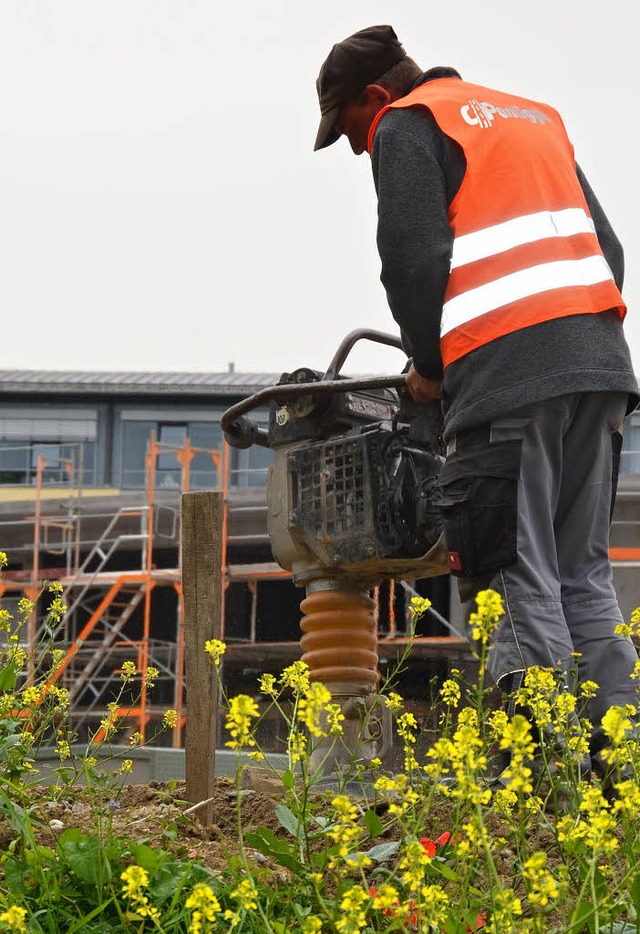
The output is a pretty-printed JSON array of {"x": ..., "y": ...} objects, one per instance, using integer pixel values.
[
  {"x": 207, "y": 438},
  {"x": 630, "y": 460},
  {"x": 171, "y": 436},
  {"x": 65, "y": 436},
  {"x": 63, "y": 464}
]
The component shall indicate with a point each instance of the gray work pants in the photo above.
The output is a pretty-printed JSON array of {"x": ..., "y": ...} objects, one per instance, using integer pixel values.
[{"x": 558, "y": 595}]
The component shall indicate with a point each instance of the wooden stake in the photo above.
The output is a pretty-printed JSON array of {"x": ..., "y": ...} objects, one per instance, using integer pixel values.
[{"x": 202, "y": 517}]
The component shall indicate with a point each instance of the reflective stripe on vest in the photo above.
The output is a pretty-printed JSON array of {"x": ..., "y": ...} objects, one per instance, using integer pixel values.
[{"x": 525, "y": 248}]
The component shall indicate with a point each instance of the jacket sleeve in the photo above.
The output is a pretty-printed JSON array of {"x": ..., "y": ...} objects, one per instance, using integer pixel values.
[
  {"x": 414, "y": 236},
  {"x": 609, "y": 243}
]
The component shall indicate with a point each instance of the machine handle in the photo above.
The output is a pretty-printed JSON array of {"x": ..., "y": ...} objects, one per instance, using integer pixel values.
[
  {"x": 242, "y": 432},
  {"x": 345, "y": 348}
]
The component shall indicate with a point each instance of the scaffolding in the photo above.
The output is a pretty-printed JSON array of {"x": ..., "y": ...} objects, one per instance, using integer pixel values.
[
  {"x": 108, "y": 569},
  {"x": 103, "y": 596}
]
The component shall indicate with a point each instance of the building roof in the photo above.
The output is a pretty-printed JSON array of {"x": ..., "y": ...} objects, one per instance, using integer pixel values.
[{"x": 139, "y": 382}]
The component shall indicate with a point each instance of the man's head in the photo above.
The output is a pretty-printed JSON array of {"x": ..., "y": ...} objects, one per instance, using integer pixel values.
[{"x": 360, "y": 76}]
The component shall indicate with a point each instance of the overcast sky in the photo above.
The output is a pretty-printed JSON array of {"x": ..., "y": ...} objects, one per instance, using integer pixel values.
[{"x": 162, "y": 207}]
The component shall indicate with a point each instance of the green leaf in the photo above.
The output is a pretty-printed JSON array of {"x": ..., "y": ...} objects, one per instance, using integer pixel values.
[
  {"x": 266, "y": 842},
  {"x": 145, "y": 856},
  {"x": 167, "y": 879},
  {"x": 15, "y": 873},
  {"x": 634, "y": 891},
  {"x": 288, "y": 779},
  {"x": 288, "y": 820},
  {"x": 583, "y": 916},
  {"x": 8, "y": 677},
  {"x": 373, "y": 823},
  {"x": 438, "y": 867},
  {"x": 383, "y": 851},
  {"x": 82, "y": 854}
]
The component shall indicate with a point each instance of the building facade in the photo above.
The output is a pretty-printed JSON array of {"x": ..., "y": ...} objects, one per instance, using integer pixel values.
[{"x": 92, "y": 470}]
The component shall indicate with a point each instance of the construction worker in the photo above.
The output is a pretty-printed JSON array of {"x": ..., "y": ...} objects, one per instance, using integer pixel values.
[{"x": 505, "y": 277}]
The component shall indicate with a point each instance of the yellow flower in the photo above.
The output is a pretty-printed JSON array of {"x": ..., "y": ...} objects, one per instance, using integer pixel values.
[
  {"x": 345, "y": 831},
  {"x": 506, "y": 908},
  {"x": 406, "y": 723},
  {"x": 135, "y": 880},
  {"x": 127, "y": 765},
  {"x": 498, "y": 722},
  {"x": 14, "y": 917},
  {"x": 296, "y": 676},
  {"x": 311, "y": 708},
  {"x": 57, "y": 609},
  {"x": 60, "y": 695},
  {"x": 128, "y": 671},
  {"x": 588, "y": 689},
  {"x": 55, "y": 587},
  {"x": 246, "y": 893},
  {"x": 4, "y": 561},
  {"x": 386, "y": 896},
  {"x": 393, "y": 702},
  {"x": 486, "y": 619},
  {"x": 215, "y": 649},
  {"x": 242, "y": 710},
  {"x": 170, "y": 719},
  {"x": 468, "y": 717},
  {"x": 204, "y": 905},
  {"x": 17, "y": 656},
  {"x": 541, "y": 884},
  {"x": 267, "y": 685},
  {"x": 135, "y": 739},
  {"x": 414, "y": 862},
  {"x": 419, "y": 606},
  {"x": 296, "y": 745},
  {"x": 352, "y": 911},
  {"x": 623, "y": 629},
  {"x": 627, "y": 798},
  {"x": 335, "y": 718},
  {"x": 232, "y": 917},
  {"x": 31, "y": 696},
  {"x": 505, "y": 800},
  {"x": 311, "y": 925},
  {"x": 616, "y": 723},
  {"x": 149, "y": 676},
  {"x": 432, "y": 906},
  {"x": 450, "y": 693}
]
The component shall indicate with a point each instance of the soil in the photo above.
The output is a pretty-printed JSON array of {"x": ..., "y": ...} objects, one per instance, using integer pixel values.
[{"x": 158, "y": 814}]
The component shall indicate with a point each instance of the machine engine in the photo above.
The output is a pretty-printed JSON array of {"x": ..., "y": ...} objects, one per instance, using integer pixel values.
[{"x": 352, "y": 490}]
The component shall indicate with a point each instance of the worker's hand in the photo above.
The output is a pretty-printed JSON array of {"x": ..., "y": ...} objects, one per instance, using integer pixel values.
[{"x": 421, "y": 389}]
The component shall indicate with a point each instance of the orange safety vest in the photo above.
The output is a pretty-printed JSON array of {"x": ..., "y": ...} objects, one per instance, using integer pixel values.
[{"x": 525, "y": 248}]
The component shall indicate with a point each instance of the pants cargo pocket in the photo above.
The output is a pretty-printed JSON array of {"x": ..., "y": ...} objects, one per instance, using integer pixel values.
[
  {"x": 479, "y": 506},
  {"x": 616, "y": 452}
]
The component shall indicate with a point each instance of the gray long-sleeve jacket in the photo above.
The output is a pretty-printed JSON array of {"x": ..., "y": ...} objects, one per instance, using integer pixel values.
[{"x": 417, "y": 171}]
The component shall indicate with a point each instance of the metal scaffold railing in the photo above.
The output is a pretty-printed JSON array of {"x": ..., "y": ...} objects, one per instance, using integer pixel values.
[
  {"x": 120, "y": 568},
  {"x": 108, "y": 581}
]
